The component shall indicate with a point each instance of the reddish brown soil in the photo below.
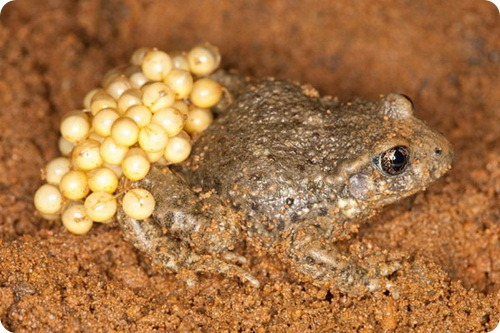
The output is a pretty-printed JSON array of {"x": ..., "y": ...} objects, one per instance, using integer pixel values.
[{"x": 445, "y": 54}]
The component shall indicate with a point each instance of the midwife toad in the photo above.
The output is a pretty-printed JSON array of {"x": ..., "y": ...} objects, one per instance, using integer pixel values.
[{"x": 292, "y": 172}]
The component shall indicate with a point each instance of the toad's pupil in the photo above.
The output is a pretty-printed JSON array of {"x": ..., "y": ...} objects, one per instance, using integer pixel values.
[
  {"x": 394, "y": 160},
  {"x": 398, "y": 159}
]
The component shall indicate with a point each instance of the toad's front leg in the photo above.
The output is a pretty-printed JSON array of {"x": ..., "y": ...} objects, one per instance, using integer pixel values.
[
  {"x": 186, "y": 229},
  {"x": 317, "y": 257}
]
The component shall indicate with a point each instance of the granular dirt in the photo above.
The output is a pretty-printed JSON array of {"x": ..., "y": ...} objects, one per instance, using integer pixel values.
[{"x": 444, "y": 54}]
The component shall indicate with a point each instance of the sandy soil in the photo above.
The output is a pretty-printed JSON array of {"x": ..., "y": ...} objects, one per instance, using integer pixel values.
[{"x": 444, "y": 54}]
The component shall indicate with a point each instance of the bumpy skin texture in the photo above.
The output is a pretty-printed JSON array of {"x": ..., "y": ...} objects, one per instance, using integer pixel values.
[{"x": 290, "y": 171}]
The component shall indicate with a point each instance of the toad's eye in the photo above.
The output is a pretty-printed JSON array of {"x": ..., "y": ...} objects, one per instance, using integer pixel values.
[{"x": 393, "y": 161}]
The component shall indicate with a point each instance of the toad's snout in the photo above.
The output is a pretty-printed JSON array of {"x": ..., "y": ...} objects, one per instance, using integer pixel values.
[{"x": 441, "y": 156}]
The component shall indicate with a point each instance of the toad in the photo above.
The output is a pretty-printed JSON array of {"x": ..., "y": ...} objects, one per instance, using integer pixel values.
[{"x": 292, "y": 172}]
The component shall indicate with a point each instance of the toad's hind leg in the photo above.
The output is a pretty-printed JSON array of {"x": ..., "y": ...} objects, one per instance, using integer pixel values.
[
  {"x": 172, "y": 254},
  {"x": 185, "y": 231},
  {"x": 148, "y": 237}
]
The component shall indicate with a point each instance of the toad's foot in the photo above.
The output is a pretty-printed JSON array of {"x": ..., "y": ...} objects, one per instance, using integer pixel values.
[
  {"x": 317, "y": 258},
  {"x": 210, "y": 264}
]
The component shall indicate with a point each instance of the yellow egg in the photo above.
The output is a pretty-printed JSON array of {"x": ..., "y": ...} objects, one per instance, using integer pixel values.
[
  {"x": 125, "y": 131},
  {"x": 157, "y": 95},
  {"x": 55, "y": 169},
  {"x": 65, "y": 147},
  {"x": 140, "y": 114},
  {"x": 102, "y": 180},
  {"x": 179, "y": 61},
  {"x": 156, "y": 156},
  {"x": 86, "y": 155},
  {"x": 205, "y": 93},
  {"x": 181, "y": 82},
  {"x": 112, "y": 152},
  {"x": 178, "y": 148},
  {"x": 203, "y": 59},
  {"x": 100, "y": 207},
  {"x": 74, "y": 185},
  {"x": 198, "y": 120},
  {"x": 138, "y": 55},
  {"x": 152, "y": 138},
  {"x": 102, "y": 100},
  {"x": 118, "y": 86},
  {"x": 103, "y": 120},
  {"x": 48, "y": 199},
  {"x": 129, "y": 98},
  {"x": 171, "y": 119},
  {"x": 136, "y": 76},
  {"x": 181, "y": 106},
  {"x": 75, "y": 220},
  {"x": 135, "y": 165},
  {"x": 156, "y": 65},
  {"x": 75, "y": 126},
  {"x": 138, "y": 203}
]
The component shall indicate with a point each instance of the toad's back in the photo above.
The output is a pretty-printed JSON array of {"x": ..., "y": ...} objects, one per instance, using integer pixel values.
[{"x": 275, "y": 151}]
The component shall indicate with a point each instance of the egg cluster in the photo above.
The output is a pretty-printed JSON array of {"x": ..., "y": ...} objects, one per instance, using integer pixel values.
[{"x": 144, "y": 113}]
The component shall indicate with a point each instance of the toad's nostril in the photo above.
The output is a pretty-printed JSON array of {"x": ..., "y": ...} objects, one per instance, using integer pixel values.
[{"x": 438, "y": 151}]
